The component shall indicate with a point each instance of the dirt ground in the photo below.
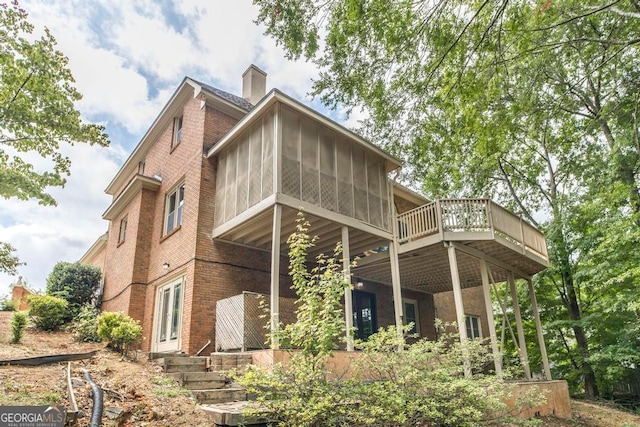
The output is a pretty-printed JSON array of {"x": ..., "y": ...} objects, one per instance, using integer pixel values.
[
  {"x": 149, "y": 398},
  {"x": 138, "y": 388}
]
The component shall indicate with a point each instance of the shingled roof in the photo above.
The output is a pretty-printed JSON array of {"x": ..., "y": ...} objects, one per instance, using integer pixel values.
[{"x": 240, "y": 102}]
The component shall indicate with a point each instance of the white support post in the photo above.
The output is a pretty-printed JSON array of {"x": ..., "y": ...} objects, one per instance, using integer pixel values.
[
  {"x": 541, "y": 343},
  {"x": 348, "y": 297},
  {"x": 397, "y": 291},
  {"x": 486, "y": 288},
  {"x": 457, "y": 298},
  {"x": 275, "y": 274},
  {"x": 516, "y": 311}
]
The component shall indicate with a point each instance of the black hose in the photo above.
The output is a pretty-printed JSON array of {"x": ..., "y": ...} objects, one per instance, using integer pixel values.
[{"x": 96, "y": 395}]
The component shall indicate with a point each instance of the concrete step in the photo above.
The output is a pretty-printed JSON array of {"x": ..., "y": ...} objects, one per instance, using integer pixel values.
[
  {"x": 203, "y": 380},
  {"x": 221, "y": 395}
]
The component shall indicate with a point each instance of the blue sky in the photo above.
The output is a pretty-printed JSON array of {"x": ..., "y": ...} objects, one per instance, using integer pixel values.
[{"x": 127, "y": 58}]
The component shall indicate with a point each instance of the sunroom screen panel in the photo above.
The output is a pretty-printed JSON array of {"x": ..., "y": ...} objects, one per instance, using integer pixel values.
[
  {"x": 374, "y": 186},
  {"x": 242, "y": 174},
  {"x": 255, "y": 164},
  {"x": 328, "y": 181},
  {"x": 230, "y": 199},
  {"x": 360, "y": 199},
  {"x": 221, "y": 176},
  {"x": 267, "y": 154},
  {"x": 290, "y": 153},
  {"x": 309, "y": 154},
  {"x": 345, "y": 178}
]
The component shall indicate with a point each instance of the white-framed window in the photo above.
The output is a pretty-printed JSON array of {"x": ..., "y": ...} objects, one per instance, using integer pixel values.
[
  {"x": 411, "y": 315},
  {"x": 177, "y": 131},
  {"x": 174, "y": 208},
  {"x": 123, "y": 230},
  {"x": 472, "y": 324}
]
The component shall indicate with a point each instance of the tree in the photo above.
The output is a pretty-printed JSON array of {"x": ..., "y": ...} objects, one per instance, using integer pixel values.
[
  {"x": 37, "y": 114},
  {"x": 76, "y": 283},
  {"x": 425, "y": 384},
  {"x": 533, "y": 103},
  {"x": 8, "y": 261}
]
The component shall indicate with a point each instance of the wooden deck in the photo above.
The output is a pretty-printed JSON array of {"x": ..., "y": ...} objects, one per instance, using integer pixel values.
[{"x": 478, "y": 228}]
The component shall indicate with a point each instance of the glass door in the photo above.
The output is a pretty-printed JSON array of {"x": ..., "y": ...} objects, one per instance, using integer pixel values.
[
  {"x": 364, "y": 314},
  {"x": 169, "y": 316}
]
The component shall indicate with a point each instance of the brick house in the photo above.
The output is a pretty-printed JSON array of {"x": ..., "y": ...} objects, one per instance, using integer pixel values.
[{"x": 202, "y": 208}]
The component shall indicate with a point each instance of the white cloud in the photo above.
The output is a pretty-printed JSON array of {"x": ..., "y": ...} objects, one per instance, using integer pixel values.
[
  {"x": 45, "y": 235},
  {"x": 127, "y": 61}
]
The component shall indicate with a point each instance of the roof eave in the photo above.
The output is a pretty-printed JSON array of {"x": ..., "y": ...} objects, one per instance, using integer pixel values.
[{"x": 169, "y": 111}]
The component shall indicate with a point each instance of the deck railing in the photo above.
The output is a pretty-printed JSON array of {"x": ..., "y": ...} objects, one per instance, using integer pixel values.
[{"x": 470, "y": 215}]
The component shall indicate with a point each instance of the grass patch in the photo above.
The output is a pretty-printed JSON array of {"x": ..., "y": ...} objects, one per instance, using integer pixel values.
[
  {"x": 27, "y": 396},
  {"x": 167, "y": 387}
]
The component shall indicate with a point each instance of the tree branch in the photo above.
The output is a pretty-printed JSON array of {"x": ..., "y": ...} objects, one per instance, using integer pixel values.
[
  {"x": 573, "y": 18},
  {"x": 512, "y": 190}
]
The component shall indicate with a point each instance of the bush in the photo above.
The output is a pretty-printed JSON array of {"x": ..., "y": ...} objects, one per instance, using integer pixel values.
[
  {"x": 76, "y": 283},
  {"x": 85, "y": 324},
  {"x": 47, "y": 312},
  {"x": 7, "y": 304},
  {"x": 119, "y": 330},
  {"x": 422, "y": 385},
  {"x": 18, "y": 325}
]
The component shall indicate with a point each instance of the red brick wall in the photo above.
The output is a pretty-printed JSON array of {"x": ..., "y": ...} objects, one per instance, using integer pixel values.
[
  {"x": 385, "y": 308},
  {"x": 473, "y": 301},
  {"x": 19, "y": 295}
]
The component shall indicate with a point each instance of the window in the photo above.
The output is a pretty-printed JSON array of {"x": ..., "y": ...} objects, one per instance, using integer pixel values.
[
  {"x": 177, "y": 131},
  {"x": 175, "y": 204},
  {"x": 473, "y": 327},
  {"x": 123, "y": 230},
  {"x": 411, "y": 315}
]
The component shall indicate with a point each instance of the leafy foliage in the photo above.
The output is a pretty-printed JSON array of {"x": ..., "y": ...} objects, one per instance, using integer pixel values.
[
  {"x": 47, "y": 312},
  {"x": 422, "y": 385},
  {"x": 76, "y": 283},
  {"x": 534, "y": 103},
  {"x": 85, "y": 324},
  {"x": 37, "y": 111},
  {"x": 18, "y": 325},
  {"x": 7, "y": 304},
  {"x": 320, "y": 319},
  {"x": 8, "y": 261},
  {"x": 119, "y": 330}
]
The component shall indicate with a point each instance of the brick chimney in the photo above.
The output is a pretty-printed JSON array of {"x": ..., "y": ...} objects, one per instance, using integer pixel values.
[{"x": 254, "y": 84}]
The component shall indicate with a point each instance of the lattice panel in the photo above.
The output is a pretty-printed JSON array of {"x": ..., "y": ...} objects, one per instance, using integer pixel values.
[
  {"x": 375, "y": 212},
  {"x": 291, "y": 177},
  {"x": 255, "y": 186},
  {"x": 345, "y": 199},
  {"x": 241, "y": 201},
  {"x": 267, "y": 177},
  {"x": 328, "y": 192},
  {"x": 310, "y": 190},
  {"x": 385, "y": 214},
  {"x": 220, "y": 190},
  {"x": 360, "y": 201}
]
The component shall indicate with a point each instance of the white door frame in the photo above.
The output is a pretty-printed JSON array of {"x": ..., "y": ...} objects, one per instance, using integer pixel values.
[{"x": 169, "y": 344}]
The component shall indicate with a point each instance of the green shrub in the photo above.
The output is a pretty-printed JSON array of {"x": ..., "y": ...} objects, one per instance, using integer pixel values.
[
  {"x": 47, "y": 312},
  {"x": 422, "y": 385},
  {"x": 18, "y": 325},
  {"x": 119, "y": 330},
  {"x": 7, "y": 304},
  {"x": 76, "y": 283},
  {"x": 85, "y": 324}
]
